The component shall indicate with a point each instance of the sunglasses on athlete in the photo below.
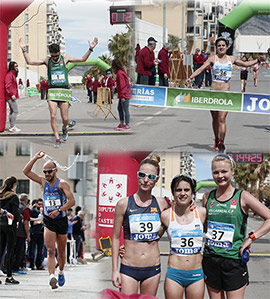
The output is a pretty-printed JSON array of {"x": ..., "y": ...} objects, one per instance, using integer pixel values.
[
  {"x": 142, "y": 175},
  {"x": 48, "y": 170}
]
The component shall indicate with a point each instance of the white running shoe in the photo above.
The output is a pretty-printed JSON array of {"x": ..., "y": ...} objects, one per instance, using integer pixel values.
[{"x": 14, "y": 130}]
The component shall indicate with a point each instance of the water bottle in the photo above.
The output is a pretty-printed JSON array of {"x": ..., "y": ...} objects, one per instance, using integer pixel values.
[{"x": 245, "y": 256}]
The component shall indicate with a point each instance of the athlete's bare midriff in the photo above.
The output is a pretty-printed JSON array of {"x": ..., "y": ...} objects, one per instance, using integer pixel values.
[{"x": 141, "y": 254}]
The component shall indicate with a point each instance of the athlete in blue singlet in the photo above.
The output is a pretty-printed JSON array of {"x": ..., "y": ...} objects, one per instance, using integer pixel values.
[
  {"x": 57, "y": 198},
  {"x": 222, "y": 71},
  {"x": 139, "y": 215}
]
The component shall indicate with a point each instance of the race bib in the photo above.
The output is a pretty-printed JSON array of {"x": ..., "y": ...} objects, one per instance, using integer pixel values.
[
  {"x": 186, "y": 242},
  {"x": 52, "y": 201},
  {"x": 58, "y": 77},
  {"x": 144, "y": 227},
  {"x": 219, "y": 235},
  {"x": 223, "y": 73}
]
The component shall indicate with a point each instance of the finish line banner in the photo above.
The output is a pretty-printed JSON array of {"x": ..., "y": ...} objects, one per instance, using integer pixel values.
[
  {"x": 60, "y": 94},
  {"x": 200, "y": 99}
]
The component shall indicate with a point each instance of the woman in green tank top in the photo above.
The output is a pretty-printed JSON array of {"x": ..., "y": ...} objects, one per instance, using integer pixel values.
[{"x": 226, "y": 236}]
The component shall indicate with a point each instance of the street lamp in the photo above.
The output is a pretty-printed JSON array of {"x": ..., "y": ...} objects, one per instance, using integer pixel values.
[{"x": 38, "y": 23}]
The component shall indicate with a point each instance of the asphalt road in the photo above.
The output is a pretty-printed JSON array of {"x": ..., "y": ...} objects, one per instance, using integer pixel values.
[
  {"x": 86, "y": 281},
  {"x": 163, "y": 129}
]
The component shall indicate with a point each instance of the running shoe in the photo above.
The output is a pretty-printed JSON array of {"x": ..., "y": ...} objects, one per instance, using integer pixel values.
[
  {"x": 65, "y": 134},
  {"x": 19, "y": 272},
  {"x": 11, "y": 281},
  {"x": 216, "y": 144},
  {"x": 119, "y": 126},
  {"x": 53, "y": 282},
  {"x": 125, "y": 128},
  {"x": 14, "y": 130},
  {"x": 57, "y": 143},
  {"x": 61, "y": 280},
  {"x": 71, "y": 124},
  {"x": 221, "y": 147}
]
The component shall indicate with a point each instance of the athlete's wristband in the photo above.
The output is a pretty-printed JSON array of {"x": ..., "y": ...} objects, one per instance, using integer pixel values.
[
  {"x": 91, "y": 50},
  {"x": 252, "y": 236},
  {"x": 4, "y": 212},
  {"x": 59, "y": 210}
]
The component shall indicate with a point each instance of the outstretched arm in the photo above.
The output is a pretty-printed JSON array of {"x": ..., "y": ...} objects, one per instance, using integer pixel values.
[
  {"x": 28, "y": 169},
  {"x": 239, "y": 62},
  {"x": 207, "y": 63},
  {"x": 86, "y": 55},
  {"x": 27, "y": 58}
]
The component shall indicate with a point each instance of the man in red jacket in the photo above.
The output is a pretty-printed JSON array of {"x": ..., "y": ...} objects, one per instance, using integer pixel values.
[
  {"x": 11, "y": 94},
  {"x": 200, "y": 62},
  {"x": 96, "y": 85},
  {"x": 163, "y": 66},
  {"x": 146, "y": 63}
]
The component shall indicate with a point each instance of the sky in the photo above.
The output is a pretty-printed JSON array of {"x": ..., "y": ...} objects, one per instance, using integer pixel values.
[
  {"x": 82, "y": 20},
  {"x": 203, "y": 165}
]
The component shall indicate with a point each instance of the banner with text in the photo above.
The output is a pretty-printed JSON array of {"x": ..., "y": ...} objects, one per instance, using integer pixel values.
[
  {"x": 200, "y": 99},
  {"x": 60, "y": 94}
]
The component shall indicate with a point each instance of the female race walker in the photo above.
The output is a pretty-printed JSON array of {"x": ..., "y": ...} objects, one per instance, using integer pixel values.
[
  {"x": 185, "y": 231},
  {"x": 139, "y": 214},
  {"x": 226, "y": 236},
  {"x": 222, "y": 72}
]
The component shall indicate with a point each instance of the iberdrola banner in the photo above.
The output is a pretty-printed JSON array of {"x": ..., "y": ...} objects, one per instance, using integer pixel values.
[
  {"x": 60, "y": 94},
  {"x": 143, "y": 95},
  {"x": 191, "y": 98}
]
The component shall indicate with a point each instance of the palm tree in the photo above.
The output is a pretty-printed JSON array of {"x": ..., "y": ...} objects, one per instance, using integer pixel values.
[
  {"x": 120, "y": 47},
  {"x": 261, "y": 172}
]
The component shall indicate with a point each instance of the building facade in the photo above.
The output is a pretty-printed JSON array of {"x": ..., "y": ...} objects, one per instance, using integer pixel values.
[{"x": 39, "y": 27}]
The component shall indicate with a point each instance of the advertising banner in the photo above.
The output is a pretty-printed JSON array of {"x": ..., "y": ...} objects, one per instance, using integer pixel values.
[
  {"x": 188, "y": 98},
  {"x": 60, "y": 94},
  {"x": 148, "y": 95},
  {"x": 202, "y": 99},
  {"x": 32, "y": 91},
  {"x": 256, "y": 103}
]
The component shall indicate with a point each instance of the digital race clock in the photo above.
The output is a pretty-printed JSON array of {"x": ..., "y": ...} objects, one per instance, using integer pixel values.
[
  {"x": 121, "y": 14},
  {"x": 247, "y": 157}
]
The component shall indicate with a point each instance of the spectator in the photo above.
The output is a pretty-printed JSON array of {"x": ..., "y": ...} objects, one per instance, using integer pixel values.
[
  {"x": 208, "y": 73},
  {"x": 44, "y": 86},
  {"x": 9, "y": 204},
  {"x": 163, "y": 66},
  {"x": 200, "y": 62},
  {"x": 109, "y": 82},
  {"x": 70, "y": 230},
  {"x": 36, "y": 236},
  {"x": 11, "y": 94},
  {"x": 23, "y": 233},
  {"x": 88, "y": 85},
  {"x": 146, "y": 63},
  {"x": 78, "y": 228},
  {"x": 195, "y": 59},
  {"x": 96, "y": 85}
]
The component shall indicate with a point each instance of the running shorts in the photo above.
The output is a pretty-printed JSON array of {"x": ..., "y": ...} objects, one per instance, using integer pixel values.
[
  {"x": 59, "y": 225},
  {"x": 225, "y": 273},
  {"x": 140, "y": 273}
]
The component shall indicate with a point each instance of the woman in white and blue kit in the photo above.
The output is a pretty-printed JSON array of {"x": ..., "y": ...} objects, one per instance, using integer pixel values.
[
  {"x": 185, "y": 232},
  {"x": 222, "y": 66}
]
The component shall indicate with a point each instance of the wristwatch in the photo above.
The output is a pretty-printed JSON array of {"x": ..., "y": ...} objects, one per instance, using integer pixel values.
[
  {"x": 252, "y": 236},
  {"x": 59, "y": 210}
]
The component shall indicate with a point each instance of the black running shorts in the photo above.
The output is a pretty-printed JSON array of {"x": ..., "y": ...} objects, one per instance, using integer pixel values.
[
  {"x": 58, "y": 225},
  {"x": 225, "y": 273}
]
